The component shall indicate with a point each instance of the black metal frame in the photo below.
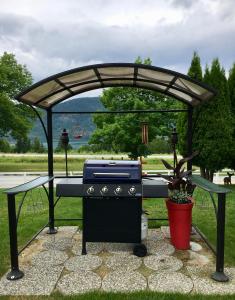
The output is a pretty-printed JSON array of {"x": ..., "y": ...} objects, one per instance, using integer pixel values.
[
  {"x": 15, "y": 272},
  {"x": 52, "y": 229},
  {"x": 13, "y": 218}
]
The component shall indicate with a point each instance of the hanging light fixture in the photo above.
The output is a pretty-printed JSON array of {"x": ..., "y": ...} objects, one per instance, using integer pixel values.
[{"x": 64, "y": 139}]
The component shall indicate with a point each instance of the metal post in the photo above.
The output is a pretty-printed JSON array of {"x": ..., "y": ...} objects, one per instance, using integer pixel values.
[
  {"x": 52, "y": 229},
  {"x": 219, "y": 273},
  {"x": 15, "y": 273},
  {"x": 66, "y": 161},
  {"x": 84, "y": 220},
  {"x": 190, "y": 136}
]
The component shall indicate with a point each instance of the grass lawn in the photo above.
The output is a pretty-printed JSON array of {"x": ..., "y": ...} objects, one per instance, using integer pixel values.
[
  {"x": 39, "y": 163},
  {"x": 34, "y": 216}
]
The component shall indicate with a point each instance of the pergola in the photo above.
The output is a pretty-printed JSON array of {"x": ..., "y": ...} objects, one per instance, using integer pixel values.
[{"x": 49, "y": 92}]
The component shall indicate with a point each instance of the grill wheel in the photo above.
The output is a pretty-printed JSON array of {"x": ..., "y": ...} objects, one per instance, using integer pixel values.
[{"x": 140, "y": 250}]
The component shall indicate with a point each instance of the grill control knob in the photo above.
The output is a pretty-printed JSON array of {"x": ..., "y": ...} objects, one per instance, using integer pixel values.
[
  {"x": 104, "y": 189},
  {"x": 118, "y": 190},
  {"x": 132, "y": 190},
  {"x": 90, "y": 190}
]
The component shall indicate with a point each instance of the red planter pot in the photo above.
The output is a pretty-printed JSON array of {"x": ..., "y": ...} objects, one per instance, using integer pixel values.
[{"x": 180, "y": 221}]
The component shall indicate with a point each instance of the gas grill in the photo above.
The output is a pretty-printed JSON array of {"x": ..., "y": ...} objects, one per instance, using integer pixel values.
[{"x": 112, "y": 194}]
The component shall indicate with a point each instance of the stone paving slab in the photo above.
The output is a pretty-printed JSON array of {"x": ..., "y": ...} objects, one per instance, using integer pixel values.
[
  {"x": 49, "y": 258},
  {"x": 208, "y": 286},
  {"x": 61, "y": 244},
  {"x": 163, "y": 263},
  {"x": 83, "y": 262},
  {"x": 124, "y": 281},
  {"x": 79, "y": 282},
  {"x": 36, "y": 281},
  {"x": 63, "y": 231},
  {"x": 123, "y": 262},
  {"x": 54, "y": 263},
  {"x": 92, "y": 248},
  {"x": 155, "y": 235},
  {"x": 117, "y": 248},
  {"x": 170, "y": 283},
  {"x": 161, "y": 247},
  {"x": 198, "y": 259}
]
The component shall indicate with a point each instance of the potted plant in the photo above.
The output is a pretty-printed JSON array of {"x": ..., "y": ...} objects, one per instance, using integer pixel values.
[{"x": 180, "y": 203}]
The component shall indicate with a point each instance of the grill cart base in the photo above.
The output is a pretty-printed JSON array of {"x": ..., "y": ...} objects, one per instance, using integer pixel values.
[{"x": 112, "y": 219}]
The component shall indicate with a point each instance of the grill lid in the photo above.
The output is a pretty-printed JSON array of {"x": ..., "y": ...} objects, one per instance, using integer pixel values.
[{"x": 112, "y": 171}]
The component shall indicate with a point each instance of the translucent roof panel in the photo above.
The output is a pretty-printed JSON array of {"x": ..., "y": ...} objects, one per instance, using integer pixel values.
[
  {"x": 42, "y": 91},
  {"x": 118, "y": 82},
  {"x": 154, "y": 75},
  {"x": 150, "y": 85},
  {"x": 75, "y": 78},
  {"x": 116, "y": 72},
  {"x": 86, "y": 87},
  {"x": 52, "y": 90}
]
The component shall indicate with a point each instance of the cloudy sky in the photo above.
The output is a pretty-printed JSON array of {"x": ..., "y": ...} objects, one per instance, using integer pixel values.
[{"x": 50, "y": 36}]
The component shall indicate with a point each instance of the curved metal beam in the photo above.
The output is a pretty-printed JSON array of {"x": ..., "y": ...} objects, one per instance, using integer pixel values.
[
  {"x": 20, "y": 207},
  {"x": 41, "y": 121}
]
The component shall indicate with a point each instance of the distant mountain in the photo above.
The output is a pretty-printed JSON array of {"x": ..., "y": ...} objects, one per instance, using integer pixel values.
[{"x": 75, "y": 124}]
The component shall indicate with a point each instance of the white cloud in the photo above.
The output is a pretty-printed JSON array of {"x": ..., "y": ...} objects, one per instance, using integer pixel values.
[{"x": 52, "y": 36}]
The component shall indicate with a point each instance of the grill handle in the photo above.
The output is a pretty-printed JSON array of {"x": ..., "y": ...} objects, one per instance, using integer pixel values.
[{"x": 126, "y": 175}]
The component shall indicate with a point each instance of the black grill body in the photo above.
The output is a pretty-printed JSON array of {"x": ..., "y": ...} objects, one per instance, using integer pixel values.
[
  {"x": 112, "y": 207},
  {"x": 112, "y": 193}
]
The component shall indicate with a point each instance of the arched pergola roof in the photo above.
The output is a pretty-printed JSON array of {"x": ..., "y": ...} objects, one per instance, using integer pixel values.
[{"x": 54, "y": 89}]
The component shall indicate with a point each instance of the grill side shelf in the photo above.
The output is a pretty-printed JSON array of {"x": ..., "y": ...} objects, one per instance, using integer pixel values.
[{"x": 73, "y": 187}]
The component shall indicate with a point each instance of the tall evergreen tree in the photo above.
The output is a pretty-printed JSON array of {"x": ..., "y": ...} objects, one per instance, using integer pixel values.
[
  {"x": 195, "y": 72},
  {"x": 212, "y": 123},
  {"x": 213, "y": 134},
  {"x": 231, "y": 86}
]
